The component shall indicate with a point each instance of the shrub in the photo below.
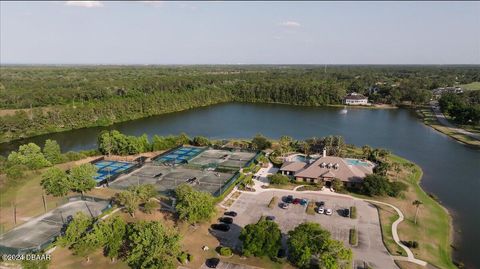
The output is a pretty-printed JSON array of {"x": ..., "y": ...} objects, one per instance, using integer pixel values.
[
  {"x": 149, "y": 206},
  {"x": 278, "y": 179},
  {"x": 183, "y": 257},
  {"x": 74, "y": 156},
  {"x": 225, "y": 251},
  {"x": 190, "y": 257},
  {"x": 353, "y": 238},
  {"x": 353, "y": 212},
  {"x": 16, "y": 171}
]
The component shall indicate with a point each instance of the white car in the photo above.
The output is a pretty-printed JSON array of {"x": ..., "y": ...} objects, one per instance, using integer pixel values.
[
  {"x": 328, "y": 211},
  {"x": 320, "y": 210}
]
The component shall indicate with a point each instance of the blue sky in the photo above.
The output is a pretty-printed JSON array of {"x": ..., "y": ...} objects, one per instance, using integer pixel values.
[{"x": 240, "y": 32}]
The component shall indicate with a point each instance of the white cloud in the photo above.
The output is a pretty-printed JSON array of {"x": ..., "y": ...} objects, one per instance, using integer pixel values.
[
  {"x": 290, "y": 24},
  {"x": 87, "y": 4}
]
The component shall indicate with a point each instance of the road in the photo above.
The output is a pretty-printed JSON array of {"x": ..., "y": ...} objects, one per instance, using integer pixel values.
[{"x": 443, "y": 120}]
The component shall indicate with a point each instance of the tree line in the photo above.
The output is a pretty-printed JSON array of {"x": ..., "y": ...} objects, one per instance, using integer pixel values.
[
  {"x": 69, "y": 98},
  {"x": 464, "y": 108}
]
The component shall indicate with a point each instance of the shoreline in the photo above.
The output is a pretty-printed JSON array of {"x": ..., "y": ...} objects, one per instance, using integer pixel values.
[
  {"x": 431, "y": 121},
  {"x": 385, "y": 106}
]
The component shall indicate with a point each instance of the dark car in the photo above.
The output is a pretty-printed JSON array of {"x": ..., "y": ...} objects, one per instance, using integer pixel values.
[
  {"x": 296, "y": 201},
  {"x": 221, "y": 227},
  {"x": 212, "y": 262},
  {"x": 230, "y": 213},
  {"x": 289, "y": 199},
  {"x": 346, "y": 212},
  {"x": 271, "y": 218},
  {"x": 226, "y": 220}
]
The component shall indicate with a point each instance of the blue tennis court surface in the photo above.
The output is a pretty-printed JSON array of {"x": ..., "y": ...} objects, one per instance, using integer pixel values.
[
  {"x": 180, "y": 155},
  {"x": 110, "y": 168}
]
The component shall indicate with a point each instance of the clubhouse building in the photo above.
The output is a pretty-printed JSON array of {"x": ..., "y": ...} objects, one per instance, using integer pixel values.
[{"x": 326, "y": 168}]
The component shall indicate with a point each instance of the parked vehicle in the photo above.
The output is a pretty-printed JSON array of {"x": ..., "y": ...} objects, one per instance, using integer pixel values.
[
  {"x": 304, "y": 202},
  {"x": 320, "y": 210},
  {"x": 328, "y": 211},
  {"x": 226, "y": 220},
  {"x": 212, "y": 262},
  {"x": 321, "y": 203},
  {"x": 289, "y": 199},
  {"x": 221, "y": 227},
  {"x": 284, "y": 205},
  {"x": 296, "y": 201},
  {"x": 270, "y": 218},
  {"x": 230, "y": 213}
]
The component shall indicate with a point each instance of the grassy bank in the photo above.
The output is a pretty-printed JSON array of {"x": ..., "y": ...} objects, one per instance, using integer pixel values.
[
  {"x": 433, "y": 228},
  {"x": 429, "y": 119}
]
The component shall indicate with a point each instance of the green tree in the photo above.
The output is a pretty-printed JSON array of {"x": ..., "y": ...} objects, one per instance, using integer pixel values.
[
  {"x": 105, "y": 143},
  {"x": 367, "y": 151},
  {"x": 260, "y": 142},
  {"x": 261, "y": 239},
  {"x": 81, "y": 177},
  {"x": 55, "y": 182},
  {"x": 151, "y": 245},
  {"x": 129, "y": 200},
  {"x": 114, "y": 231},
  {"x": 89, "y": 242},
  {"x": 278, "y": 179},
  {"x": 285, "y": 143},
  {"x": 337, "y": 185},
  {"x": 192, "y": 205},
  {"x": 308, "y": 240},
  {"x": 201, "y": 141},
  {"x": 75, "y": 230},
  {"x": 417, "y": 204},
  {"x": 29, "y": 155},
  {"x": 51, "y": 151}
]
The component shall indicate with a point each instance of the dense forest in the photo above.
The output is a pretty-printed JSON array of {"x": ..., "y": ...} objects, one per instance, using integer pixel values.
[{"x": 42, "y": 99}]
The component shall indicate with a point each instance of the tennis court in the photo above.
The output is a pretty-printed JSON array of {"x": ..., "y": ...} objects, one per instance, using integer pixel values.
[
  {"x": 39, "y": 232},
  {"x": 214, "y": 157},
  {"x": 109, "y": 169},
  {"x": 167, "y": 178},
  {"x": 180, "y": 155}
]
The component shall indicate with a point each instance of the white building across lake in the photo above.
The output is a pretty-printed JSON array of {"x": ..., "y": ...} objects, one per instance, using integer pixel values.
[{"x": 355, "y": 99}]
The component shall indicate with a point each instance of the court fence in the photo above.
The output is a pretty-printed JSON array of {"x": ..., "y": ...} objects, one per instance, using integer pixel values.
[{"x": 44, "y": 245}]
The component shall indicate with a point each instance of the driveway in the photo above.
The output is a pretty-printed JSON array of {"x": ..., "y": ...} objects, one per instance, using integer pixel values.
[{"x": 250, "y": 207}]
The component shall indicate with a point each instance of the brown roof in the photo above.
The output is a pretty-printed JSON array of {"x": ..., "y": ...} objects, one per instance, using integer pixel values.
[
  {"x": 344, "y": 172},
  {"x": 292, "y": 166}
]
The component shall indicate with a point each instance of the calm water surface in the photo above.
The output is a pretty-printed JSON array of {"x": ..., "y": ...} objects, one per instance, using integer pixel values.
[{"x": 451, "y": 170}]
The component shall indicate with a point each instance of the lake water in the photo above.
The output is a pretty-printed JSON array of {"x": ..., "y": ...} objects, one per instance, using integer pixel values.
[{"x": 451, "y": 170}]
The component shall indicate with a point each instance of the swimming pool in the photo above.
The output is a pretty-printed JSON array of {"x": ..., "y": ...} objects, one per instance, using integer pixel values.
[
  {"x": 302, "y": 158},
  {"x": 356, "y": 162}
]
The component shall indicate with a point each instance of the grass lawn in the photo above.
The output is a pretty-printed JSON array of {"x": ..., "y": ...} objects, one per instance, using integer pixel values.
[
  {"x": 433, "y": 228},
  {"x": 429, "y": 119},
  {"x": 474, "y": 86},
  {"x": 387, "y": 217}
]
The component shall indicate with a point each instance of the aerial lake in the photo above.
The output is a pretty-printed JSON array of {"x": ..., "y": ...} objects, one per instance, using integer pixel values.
[{"x": 451, "y": 170}]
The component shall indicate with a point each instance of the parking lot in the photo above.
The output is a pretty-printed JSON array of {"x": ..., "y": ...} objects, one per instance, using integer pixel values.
[{"x": 251, "y": 207}]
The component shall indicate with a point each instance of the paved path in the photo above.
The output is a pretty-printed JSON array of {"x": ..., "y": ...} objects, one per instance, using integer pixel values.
[
  {"x": 443, "y": 120},
  {"x": 410, "y": 257}
]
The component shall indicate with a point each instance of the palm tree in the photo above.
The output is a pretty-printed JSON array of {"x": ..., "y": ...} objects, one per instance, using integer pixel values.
[{"x": 417, "y": 203}]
